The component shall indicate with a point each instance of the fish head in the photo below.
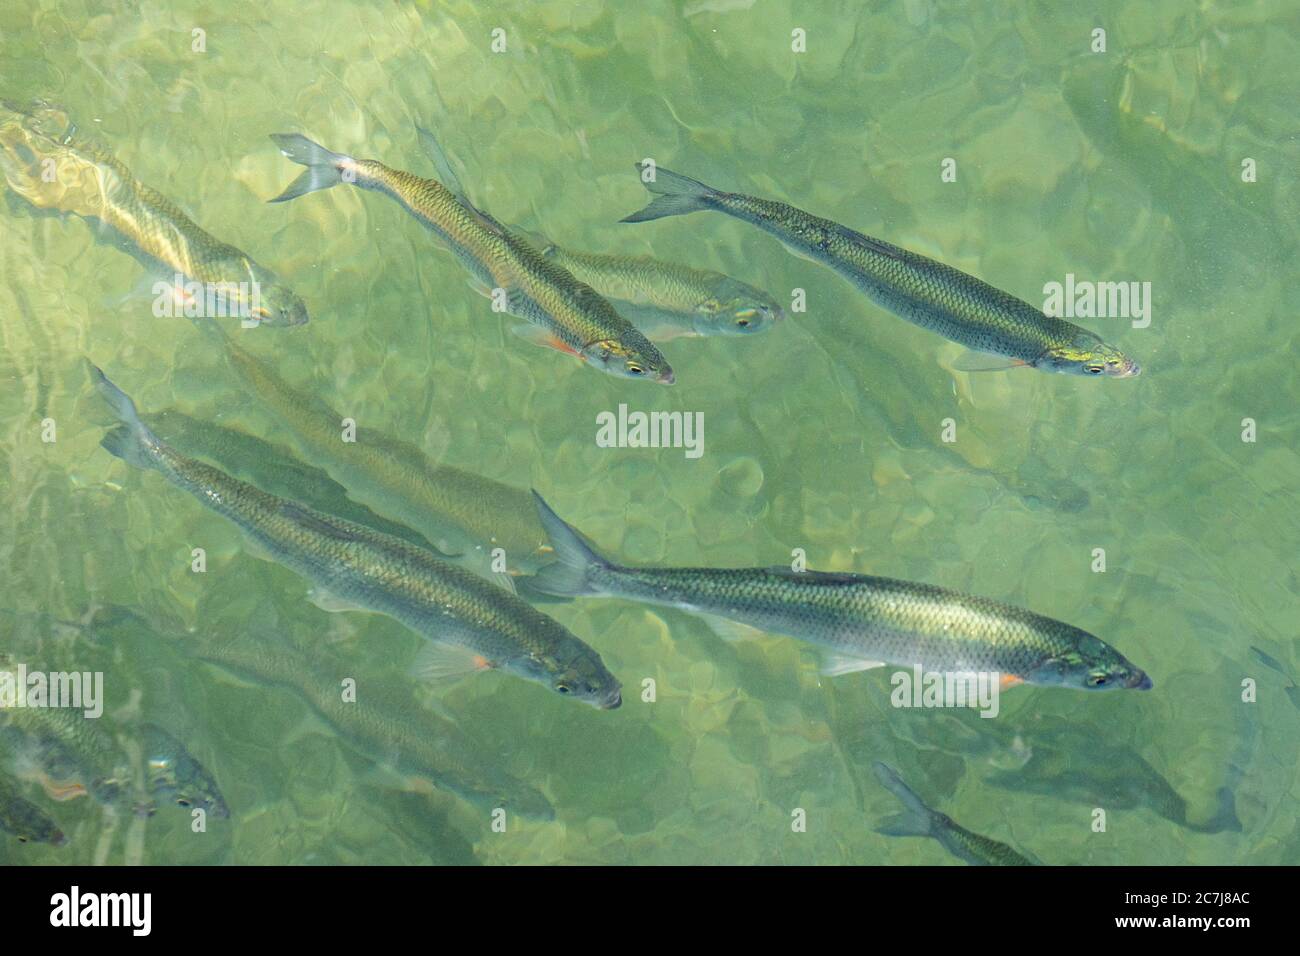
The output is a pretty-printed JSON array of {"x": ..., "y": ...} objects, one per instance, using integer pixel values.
[
  {"x": 582, "y": 676},
  {"x": 1087, "y": 354},
  {"x": 278, "y": 306},
  {"x": 735, "y": 309},
  {"x": 630, "y": 356},
  {"x": 175, "y": 778},
  {"x": 1091, "y": 664}
]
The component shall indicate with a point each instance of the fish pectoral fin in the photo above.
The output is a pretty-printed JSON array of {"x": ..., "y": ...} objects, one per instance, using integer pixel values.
[
  {"x": 332, "y": 603},
  {"x": 1006, "y": 681},
  {"x": 543, "y": 337},
  {"x": 437, "y": 662},
  {"x": 973, "y": 361},
  {"x": 833, "y": 664},
  {"x": 732, "y": 631}
]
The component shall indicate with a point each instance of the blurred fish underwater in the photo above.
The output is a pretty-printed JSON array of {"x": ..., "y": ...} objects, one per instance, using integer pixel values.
[{"x": 360, "y": 637}]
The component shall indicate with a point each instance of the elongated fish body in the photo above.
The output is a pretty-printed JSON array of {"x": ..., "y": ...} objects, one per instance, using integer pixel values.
[
  {"x": 75, "y": 754},
  {"x": 174, "y": 775},
  {"x": 92, "y": 183},
  {"x": 459, "y": 512},
  {"x": 666, "y": 300},
  {"x": 271, "y": 467},
  {"x": 476, "y": 623},
  {"x": 569, "y": 315},
  {"x": 859, "y": 620},
  {"x": 921, "y": 820},
  {"x": 382, "y": 726},
  {"x": 24, "y": 819},
  {"x": 914, "y": 287}
]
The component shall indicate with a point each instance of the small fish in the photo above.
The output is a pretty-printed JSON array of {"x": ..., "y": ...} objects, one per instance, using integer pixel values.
[
  {"x": 961, "y": 308},
  {"x": 24, "y": 819},
  {"x": 381, "y": 724},
  {"x": 860, "y": 621},
  {"x": 667, "y": 300},
  {"x": 920, "y": 820},
  {"x": 94, "y": 184},
  {"x": 1070, "y": 761},
  {"x": 462, "y": 514},
  {"x": 471, "y": 623},
  {"x": 563, "y": 313},
  {"x": 72, "y": 754},
  {"x": 175, "y": 776}
]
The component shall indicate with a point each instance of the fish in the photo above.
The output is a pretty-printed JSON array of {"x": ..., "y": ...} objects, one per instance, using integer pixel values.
[
  {"x": 92, "y": 183},
  {"x": 72, "y": 754},
  {"x": 24, "y": 819},
  {"x": 462, "y": 514},
  {"x": 272, "y": 467},
  {"x": 859, "y": 621},
  {"x": 920, "y": 820},
  {"x": 174, "y": 775},
  {"x": 472, "y": 624},
  {"x": 667, "y": 300},
  {"x": 380, "y": 724},
  {"x": 559, "y": 311},
  {"x": 1067, "y": 761},
  {"x": 935, "y": 296}
]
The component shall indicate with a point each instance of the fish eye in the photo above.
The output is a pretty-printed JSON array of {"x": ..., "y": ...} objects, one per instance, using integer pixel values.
[
  {"x": 743, "y": 322},
  {"x": 563, "y": 688},
  {"x": 634, "y": 369},
  {"x": 182, "y": 802},
  {"x": 1093, "y": 369},
  {"x": 1098, "y": 680}
]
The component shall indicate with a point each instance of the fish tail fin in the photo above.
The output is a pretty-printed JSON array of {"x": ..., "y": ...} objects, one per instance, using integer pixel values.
[
  {"x": 570, "y": 573},
  {"x": 917, "y": 821},
  {"x": 675, "y": 195},
  {"x": 324, "y": 168},
  {"x": 131, "y": 440},
  {"x": 1225, "y": 815}
]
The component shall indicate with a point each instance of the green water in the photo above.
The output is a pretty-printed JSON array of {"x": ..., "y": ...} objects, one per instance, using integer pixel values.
[{"x": 824, "y": 433}]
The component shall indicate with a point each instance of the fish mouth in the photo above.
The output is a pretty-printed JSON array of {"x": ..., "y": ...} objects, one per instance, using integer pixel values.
[
  {"x": 666, "y": 377},
  {"x": 1140, "y": 681},
  {"x": 612, "y": 702},
  {"x": 1130, "y": 369}
]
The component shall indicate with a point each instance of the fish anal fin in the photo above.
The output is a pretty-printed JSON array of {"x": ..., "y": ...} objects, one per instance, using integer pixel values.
[
  {"x": 973, "y": 361},
  {"x": 834, "y": 665},
  {"x": 546, "y": 339}
]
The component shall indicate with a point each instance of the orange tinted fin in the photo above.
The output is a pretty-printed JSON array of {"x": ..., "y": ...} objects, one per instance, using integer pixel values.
[{"x": 1009, "y": 680}]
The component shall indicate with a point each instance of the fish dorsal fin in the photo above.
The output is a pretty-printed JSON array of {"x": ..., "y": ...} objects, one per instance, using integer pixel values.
[
  {"x": 878, "y": 246},
  {"x": 447, "y": 176},
  {"x": 439, "y": 663},
  {"x": 535, "y": 239},
  {"x": 322, "y": 524},
  {"x": 442, "y": 164},
  {"x": 821, "y": 577}
]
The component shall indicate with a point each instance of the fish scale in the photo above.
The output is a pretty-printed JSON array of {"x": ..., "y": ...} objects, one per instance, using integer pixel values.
[
  {"x": 863, "y": 621},
  {"x": 569, "y": 315},
  {"x": 927, "y": 293},
  {"x": 369, "y": 570}
]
